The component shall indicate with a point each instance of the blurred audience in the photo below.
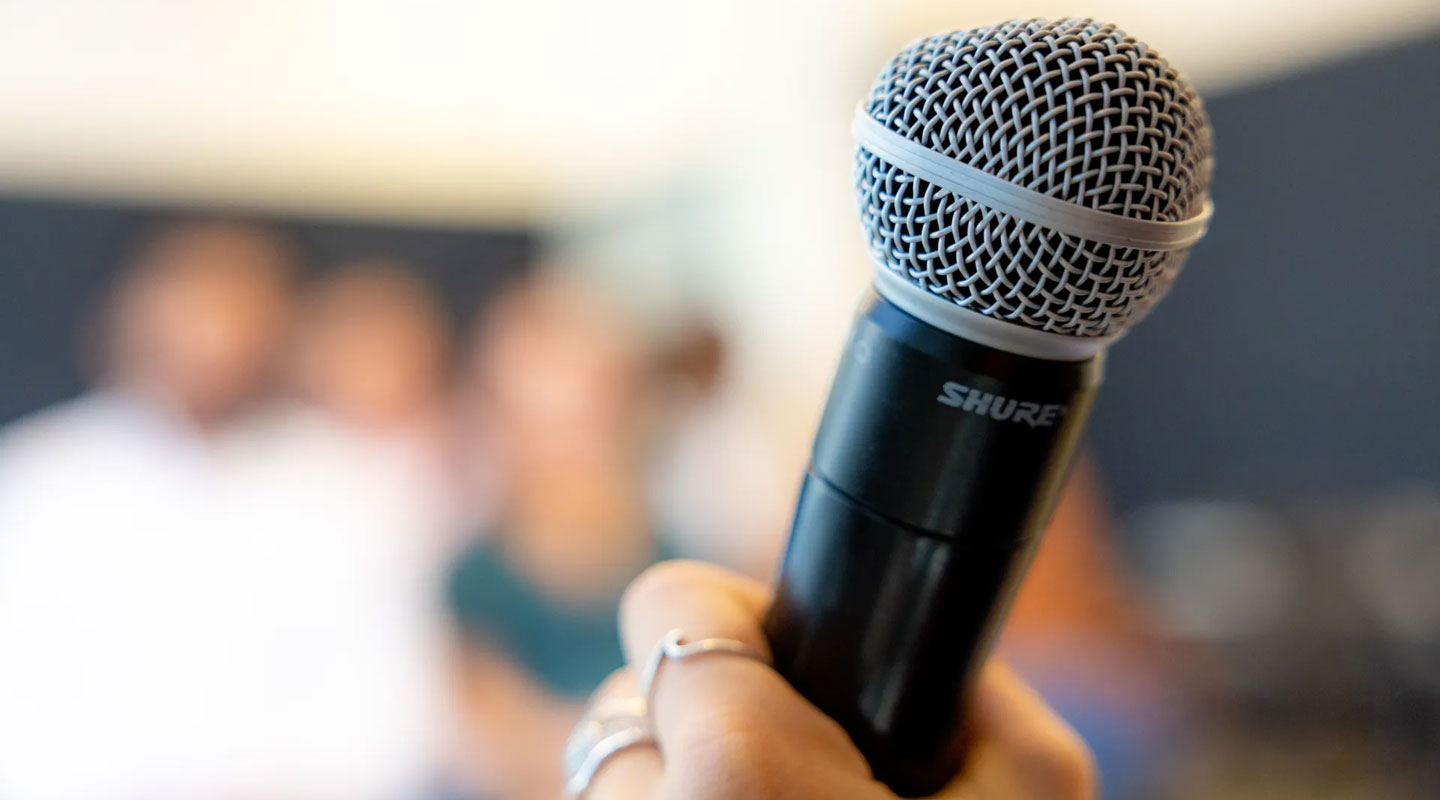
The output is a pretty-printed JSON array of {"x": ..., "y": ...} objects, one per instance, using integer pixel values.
[
  {"x": 354, "y": 473},
  {"x": 187, "y": 608},
  {"x": 535, "y": 595},
  {"x": 290, "y": 547},
  {"x": 222, "y": 570},
  {"x": 123, "y": 580}
]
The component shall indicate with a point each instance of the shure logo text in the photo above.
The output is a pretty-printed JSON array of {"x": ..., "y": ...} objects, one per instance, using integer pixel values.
[{"x": 996, "y": 407}]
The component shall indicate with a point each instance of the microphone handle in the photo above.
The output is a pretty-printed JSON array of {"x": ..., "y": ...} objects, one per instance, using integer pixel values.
[{"x": 936, "y": 467}]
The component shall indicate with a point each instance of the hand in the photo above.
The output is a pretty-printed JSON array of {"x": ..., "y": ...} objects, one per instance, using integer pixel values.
[{"x": 731, "y": 728}]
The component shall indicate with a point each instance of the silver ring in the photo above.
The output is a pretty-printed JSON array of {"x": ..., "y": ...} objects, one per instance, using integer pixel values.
[
  {"x": 605, "y": 730},
  {"x": 674, "y": 647}
]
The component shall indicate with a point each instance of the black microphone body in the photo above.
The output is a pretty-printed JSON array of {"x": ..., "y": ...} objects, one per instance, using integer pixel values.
[{"x": 935, "y": 469}]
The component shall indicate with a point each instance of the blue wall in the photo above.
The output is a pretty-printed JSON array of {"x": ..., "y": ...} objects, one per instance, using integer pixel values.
[{"x": 1300, "y": 350}]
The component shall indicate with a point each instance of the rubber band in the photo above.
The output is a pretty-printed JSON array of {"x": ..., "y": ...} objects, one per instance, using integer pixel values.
[{"x": 1031, "y": 206}]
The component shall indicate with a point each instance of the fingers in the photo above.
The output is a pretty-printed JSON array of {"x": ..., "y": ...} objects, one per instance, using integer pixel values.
[
  {"x": 631, "y": 774},
  {"x": 704, "y": 602},
  {"x": 731, "y": 727},
  {"x": 1019, "y": 746},
  {"x": 687, "y": 594},
  {"x": 732, "y": 723}
]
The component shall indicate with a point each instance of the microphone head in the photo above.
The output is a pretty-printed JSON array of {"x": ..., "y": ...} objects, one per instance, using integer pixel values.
[{"x": 1048, "y": 176}]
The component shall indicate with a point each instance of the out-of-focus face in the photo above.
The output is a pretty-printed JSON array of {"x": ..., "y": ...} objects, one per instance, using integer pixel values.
[
  {"x": 372, "y": 346},
  {"x": 198, "y": 320},
  {"x": 562, "y": 376}
]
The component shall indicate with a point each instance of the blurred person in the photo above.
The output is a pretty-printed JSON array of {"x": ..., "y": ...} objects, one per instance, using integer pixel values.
[
  {"x": 370, "y": 366},
  {"x": 353, "y": 472},
  {"x": 561, "y": 380},
  {"x": 192, "y": 326},
  {"x": 373, "y": 346},
  {"x": 1078, "y": 631},
  {"x": 112, "y": 508},
  {"x": 718, "y": 478},
  {"x": 186, "y": 609}
]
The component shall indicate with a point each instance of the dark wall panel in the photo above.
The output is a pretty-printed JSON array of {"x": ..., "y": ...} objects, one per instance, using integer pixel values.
[
  {"x": 1300, "y": 350},
  {"x": 57, "y": 257}
]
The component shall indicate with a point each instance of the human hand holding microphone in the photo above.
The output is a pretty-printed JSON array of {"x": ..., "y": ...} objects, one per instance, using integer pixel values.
[
  {"x": 1028, "y": 192},
  {"x": 728, "y": 727}
]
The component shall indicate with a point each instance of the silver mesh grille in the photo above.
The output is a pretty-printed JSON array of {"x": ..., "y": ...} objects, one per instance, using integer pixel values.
[{"x": 1074, "y": 109}]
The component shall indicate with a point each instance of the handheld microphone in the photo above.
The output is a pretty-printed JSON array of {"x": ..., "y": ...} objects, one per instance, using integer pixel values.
[{"x": 1028, "y": 191}]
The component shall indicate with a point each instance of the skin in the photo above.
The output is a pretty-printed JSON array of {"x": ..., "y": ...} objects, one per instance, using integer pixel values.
[
  {"x": 733, "y": 729},
  {"x": 372, "y": 346},
  {"x": 196, "y": 320}
]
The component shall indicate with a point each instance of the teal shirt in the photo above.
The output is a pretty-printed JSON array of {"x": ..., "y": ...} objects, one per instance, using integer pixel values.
[{"x": 569, "y": 649}]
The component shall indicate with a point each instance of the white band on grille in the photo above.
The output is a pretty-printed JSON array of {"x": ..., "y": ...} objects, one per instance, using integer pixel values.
[{"x": 1025, "y": 204}]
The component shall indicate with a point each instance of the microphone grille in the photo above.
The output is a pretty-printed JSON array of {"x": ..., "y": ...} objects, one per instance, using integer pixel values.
[{"x": 1073, "y": 109}]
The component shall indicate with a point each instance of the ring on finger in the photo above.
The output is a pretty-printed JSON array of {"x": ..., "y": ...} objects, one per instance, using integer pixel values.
[
  {"x": 605, "y": 730},
  {"x": 673, "y": 647}
]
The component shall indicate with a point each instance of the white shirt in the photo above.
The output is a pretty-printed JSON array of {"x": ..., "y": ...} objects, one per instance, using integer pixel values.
[{"x": 243, "y": 617}]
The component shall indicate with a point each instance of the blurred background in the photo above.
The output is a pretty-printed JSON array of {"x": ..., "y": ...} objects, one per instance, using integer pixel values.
[{"x": 354, "y": 356}]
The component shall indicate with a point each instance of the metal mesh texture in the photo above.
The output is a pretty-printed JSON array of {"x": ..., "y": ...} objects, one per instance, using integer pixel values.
[{"x": 1074, "y": 109}]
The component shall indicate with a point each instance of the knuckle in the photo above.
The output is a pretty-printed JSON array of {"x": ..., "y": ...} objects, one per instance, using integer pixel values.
[
  {"x": 660, "y": 582},
  {"x": 620, "y": 683},
  {"x": 1063, "y": 762}
]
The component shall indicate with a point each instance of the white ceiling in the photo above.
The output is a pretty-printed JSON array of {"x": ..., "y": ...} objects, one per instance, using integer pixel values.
[{"x": 473, "y": 109}]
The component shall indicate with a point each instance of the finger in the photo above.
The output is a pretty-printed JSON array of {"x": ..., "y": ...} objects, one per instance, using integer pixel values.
[
  {"x": 672, "y": 594},
  {"x": 631, "y": 774},
  {"x": 723, "y": 703},
  {"x": 1019, "y": 747}
]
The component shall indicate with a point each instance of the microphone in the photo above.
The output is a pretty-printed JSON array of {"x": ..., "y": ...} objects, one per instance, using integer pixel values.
[{"x": 1028, "y": 191}]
